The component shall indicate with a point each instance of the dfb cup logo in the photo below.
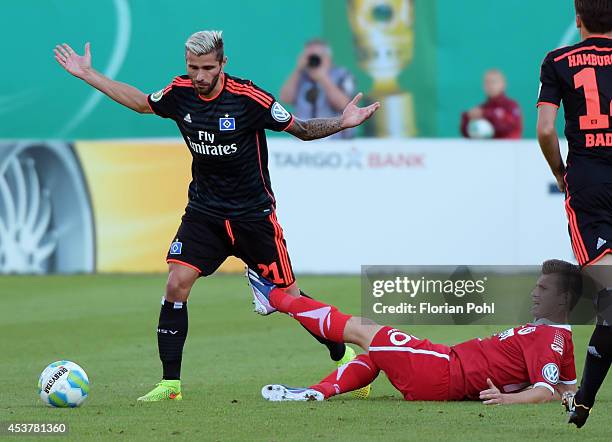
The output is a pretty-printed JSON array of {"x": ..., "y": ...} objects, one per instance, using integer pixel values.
[
  {"x": 279, "y": 113},
  {"x": 157, "y": 95},
  {"x": 506, "y": 334}
]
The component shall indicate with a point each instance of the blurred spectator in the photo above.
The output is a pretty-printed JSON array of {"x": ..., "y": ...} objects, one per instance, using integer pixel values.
[
  {"x": 317, "y": 88},
  {"x": 498, "y": 117}
]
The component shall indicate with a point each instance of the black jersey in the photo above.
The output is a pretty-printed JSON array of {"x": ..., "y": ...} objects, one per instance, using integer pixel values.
[
  {"x": 580, "y": 76},
  {"x": 226, "y": 137}
]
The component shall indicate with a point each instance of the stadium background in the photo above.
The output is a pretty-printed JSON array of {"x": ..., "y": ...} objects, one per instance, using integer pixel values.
[
  {"x": 135, "y": 187},
  {"x": 141, "y": 42}
]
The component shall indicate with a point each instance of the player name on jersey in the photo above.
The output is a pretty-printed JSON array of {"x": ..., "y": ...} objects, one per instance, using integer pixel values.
[
  {"x": 598, "y": 140},
  {"x": 589, "y": 60}
]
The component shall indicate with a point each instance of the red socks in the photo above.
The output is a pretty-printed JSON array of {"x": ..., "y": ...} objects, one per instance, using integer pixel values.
[
  {"x": 321, "y": 319},
  {"x": 353, "y": 375},
  {"x": 326, "y": 321}
]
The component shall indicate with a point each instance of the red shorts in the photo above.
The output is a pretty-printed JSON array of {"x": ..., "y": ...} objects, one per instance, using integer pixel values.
[{"x": 419, "y": 369}]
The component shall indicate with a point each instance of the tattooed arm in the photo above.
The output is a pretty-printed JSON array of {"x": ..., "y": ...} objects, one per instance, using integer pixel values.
[{"x": 316, "y": 128}]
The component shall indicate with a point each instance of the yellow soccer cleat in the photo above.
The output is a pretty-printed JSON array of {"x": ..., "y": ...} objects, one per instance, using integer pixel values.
[
  {"x": 349, "y": 355},
  {"x": 164, "y": 391}
]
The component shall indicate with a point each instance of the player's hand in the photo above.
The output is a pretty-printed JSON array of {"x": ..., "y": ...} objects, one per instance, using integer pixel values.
[
  {"x": 74, "y": 63},
  {"x": 492, "y": 395},
  {"x": 560, "y": 183},
  {"x": 475, "y": 113},
  {"x": 353, "y": 116}
]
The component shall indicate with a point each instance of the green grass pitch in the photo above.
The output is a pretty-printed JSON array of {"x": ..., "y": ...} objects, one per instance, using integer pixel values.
[{"x": 107, "y": 325}]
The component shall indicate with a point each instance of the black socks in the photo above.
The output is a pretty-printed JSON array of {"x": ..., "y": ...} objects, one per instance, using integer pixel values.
[
  {"x": 172, "y": 332},
  {"x": 599, "y": 357},
  {"x": 171, "y": 335}
]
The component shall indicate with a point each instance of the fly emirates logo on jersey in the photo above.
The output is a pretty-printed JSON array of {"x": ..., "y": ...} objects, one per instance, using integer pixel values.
[{"x": 204, "y": 148}]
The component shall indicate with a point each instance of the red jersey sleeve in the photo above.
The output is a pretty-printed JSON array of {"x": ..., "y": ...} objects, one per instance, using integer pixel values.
[
  {"x": 568, "y": 367},
  {"x": 546, "y": 357}
]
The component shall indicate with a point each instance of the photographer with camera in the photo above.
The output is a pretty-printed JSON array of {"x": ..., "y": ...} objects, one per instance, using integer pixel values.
[{"x": 317, "y": 88}]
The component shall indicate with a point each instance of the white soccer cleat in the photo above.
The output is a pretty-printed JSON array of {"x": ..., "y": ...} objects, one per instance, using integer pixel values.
[
  {"x": 282, "y": 393},
  {"x": 261, "y": 288}
]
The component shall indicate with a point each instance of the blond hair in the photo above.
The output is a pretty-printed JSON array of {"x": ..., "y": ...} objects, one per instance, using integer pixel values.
[{"x": 205, "y": 42}]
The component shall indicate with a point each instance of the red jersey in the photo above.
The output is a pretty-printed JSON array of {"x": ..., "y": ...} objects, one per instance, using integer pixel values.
[
  {"x": 503, "y": 113},
  {"x": 538, "y": 355}
]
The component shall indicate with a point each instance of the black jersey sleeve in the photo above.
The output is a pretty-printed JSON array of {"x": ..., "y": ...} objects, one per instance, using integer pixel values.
[
  {"x": 550, "y": 84},
  {"x": 163, "y": 102},
  {"x": 271, "y": 114}
]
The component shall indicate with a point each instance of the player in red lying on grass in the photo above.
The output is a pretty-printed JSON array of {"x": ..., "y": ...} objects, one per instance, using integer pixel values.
[{"x": 532, "y": 363}]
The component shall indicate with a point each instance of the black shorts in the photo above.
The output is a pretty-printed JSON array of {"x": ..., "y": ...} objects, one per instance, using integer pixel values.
[
  {"x": 203, "y": 242},
  {"x": 589, "y": 215}
]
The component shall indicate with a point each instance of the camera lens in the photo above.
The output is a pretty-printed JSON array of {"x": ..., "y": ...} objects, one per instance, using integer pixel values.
[{"x": 314, "y": 61}]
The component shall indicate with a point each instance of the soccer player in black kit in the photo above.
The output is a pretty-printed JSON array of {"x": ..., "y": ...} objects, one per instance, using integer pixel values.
[
  {"x": 231, "y": 209},
  {"x": 580, "y": 76}
]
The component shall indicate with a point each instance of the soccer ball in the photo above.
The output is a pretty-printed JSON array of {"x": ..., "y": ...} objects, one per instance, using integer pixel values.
[
  {"x": 63, "y": 384},
  {"x": 480, "y": 129}
]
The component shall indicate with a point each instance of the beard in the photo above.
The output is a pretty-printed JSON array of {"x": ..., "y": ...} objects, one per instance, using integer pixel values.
[{"x": 209, "y": 89}]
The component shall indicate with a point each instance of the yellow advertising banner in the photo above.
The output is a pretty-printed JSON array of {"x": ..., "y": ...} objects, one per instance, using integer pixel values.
[{"x": 138, "y": 192}]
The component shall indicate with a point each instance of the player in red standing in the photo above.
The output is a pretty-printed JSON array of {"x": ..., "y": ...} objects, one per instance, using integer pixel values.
[
  {"x": 580, "y": 77},
  {"x": 496, "y": 370}
]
